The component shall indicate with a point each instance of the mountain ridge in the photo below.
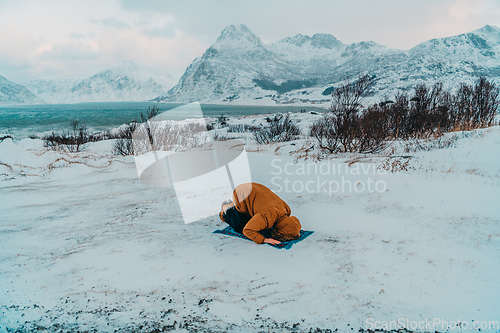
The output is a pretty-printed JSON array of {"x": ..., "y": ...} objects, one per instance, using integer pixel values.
[
  {"x": 12, "y": 93},
  {"x": 238, "y": 66},
  {"x": 124, "y": 82}
]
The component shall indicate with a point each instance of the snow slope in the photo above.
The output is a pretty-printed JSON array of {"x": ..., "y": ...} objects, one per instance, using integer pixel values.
[
  {"x": 125, "y": 82},
  {"x": 12, "y": 93},
  {"x": 300, "y": 69},
  {"x": 86, "y": 246}
]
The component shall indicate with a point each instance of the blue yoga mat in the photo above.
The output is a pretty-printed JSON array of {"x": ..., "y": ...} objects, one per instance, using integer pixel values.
[{"x": 266, "y": 233}]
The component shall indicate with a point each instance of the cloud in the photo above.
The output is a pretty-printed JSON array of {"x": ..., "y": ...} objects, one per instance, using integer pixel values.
[
  {"x": 76, "y": 35},
  {"x": 111, "y": 22},
  {"x": 393, "y": 23},
  {"x": 16, "y": 46},
  {"x": 167, "y": 31},
  {"x": 77, "y": 58},
  {"x": 82, "y": 37},
  {"x": 159, "y": 6},
  {"x": 156, "y": 54},
  {"x": 462, "y": 9},
  {"x": 461, "y": 16},
  {"x": 70, "y": 52}
]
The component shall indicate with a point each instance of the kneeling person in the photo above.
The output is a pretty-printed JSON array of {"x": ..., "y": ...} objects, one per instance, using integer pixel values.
[{"x": 254, "y": 208}]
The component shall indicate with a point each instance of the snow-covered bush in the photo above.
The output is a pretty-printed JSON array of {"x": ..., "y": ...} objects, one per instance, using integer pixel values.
[
  {"x": 219, "y": 137},
  {"x": 241, "y": 128},
  {"x": 73, "y": 140},
  {"x": 123, "y": 145},
  {"x": 281, "y": 129},
  {"x": 222, "y": 120},
  {"x": 167, "y": 136}
]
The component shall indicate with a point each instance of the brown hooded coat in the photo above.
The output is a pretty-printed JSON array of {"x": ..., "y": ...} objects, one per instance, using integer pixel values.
[{"x": 267, "y": 211}]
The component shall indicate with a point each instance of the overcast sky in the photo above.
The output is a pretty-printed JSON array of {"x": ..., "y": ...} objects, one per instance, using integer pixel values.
[{"x": 70, "y": 38}]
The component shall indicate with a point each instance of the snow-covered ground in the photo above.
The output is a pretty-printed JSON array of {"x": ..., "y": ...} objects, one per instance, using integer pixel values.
[{"x": 86, "y": 246}]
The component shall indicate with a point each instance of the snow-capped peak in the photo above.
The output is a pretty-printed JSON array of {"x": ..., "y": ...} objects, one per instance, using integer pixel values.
[
  {"x": 125, "y": 66},
  {"x": 304, "y": 68},
  {"x": 124, "y": 69},
  {"x": 236, "y": 36},
  {"x": 317, "y": 41},
  {"x": 298, "y": 40},
  {"x": 13, "y": 93},
  {"x": 325, "y": 41},
  {"x": 489, "y": 32},
  {"x": 236, "y": 32},
  {"x": 125, "y": 81}
]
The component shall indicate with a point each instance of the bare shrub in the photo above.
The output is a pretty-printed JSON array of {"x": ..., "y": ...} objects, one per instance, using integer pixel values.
[
  {"x": 274, "y": 118},
  {"x": 5, "y": 137},
  {"x": 396, "y": 164},
  {"x": 220, "y": 137},
  {"x": 166, "y": 136},
  {"x": 196, "y": 127},
  {"x": 397, "y": 116},
  {"x": 434, "y": 111},
  {"x": 8, "y": 134},
  {"x": 150, "y": 113},
  {"x": 346, "y": 128},
  {"x": 429, "y": 113},
  {"x": 366, "y": 133},
  {"x": 475, "y": 106},
  {"x": 222, "y": 120},
  {"x": 150, "y": 135},
  {"x": 418, "y": 144},
  {"x": 348, "y": 98},
  {"x": 242, "y": 128},
  {"x": 346, "y": 106},
  {"x": 210, "y": 126},
  {"x": 73, "y": 140},
  {"x": 123, "y": 145},
  {"x": 280, "y": 130},
  {"x": 324, "y": 130},
  {"x": 373, "y": 130}
]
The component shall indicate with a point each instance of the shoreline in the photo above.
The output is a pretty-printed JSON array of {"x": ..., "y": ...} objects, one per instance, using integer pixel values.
[
  {"x": 252, "y": 103},
  {"x": 23, "y": 121}
]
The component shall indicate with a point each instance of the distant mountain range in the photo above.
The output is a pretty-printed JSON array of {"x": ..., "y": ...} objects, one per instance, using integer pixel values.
[
  {"x": 124, "y": 82},
  {"x": 12, "y": 93},
  {"x": 240, "y": 67}
]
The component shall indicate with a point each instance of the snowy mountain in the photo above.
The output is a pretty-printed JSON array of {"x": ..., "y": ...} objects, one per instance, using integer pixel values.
[
  {"x": 239, "y": 66},
  {"x": 125, "y": 82},
  {"x": 12, "y": 93}
]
